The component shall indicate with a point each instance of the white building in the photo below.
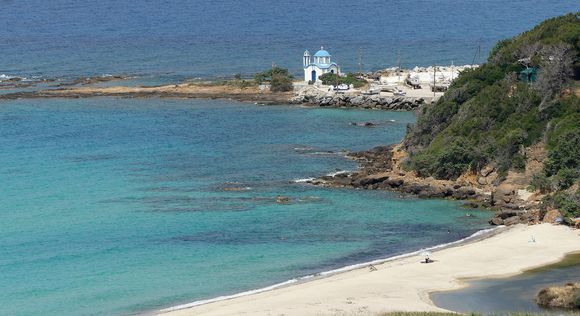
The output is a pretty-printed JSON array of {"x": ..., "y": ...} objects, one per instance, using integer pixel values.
[{"x": 317, "y": 65}]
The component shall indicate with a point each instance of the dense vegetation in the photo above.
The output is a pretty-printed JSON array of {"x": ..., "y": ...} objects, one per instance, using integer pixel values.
[
  {"x": 280, "y": 79},
  {"x": 488, "y": 115},
  {"x": 334, "y": 79}
]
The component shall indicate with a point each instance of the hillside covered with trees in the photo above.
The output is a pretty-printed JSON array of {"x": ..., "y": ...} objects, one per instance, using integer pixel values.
[{"x": 492, "y": 113}]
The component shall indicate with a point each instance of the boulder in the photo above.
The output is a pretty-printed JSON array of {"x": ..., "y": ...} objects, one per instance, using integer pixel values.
[
  {"x": 504, "y": 193},
  {"x": 357, "y": 101},
  {"x": 504, "y": 214},
  {"x": 463, "y": 193},
  {"x": 551, "y": 216},
  {"x": 432, "y": 192},
  {"x": 567, "y": 296},
  {"x": 512, "y": 221},
  {"x": 370, "y": 180},
  {"x": 412, "y": 188},
  {"x": 282, "y": 199},
  {"x": 394, "y": 183},
  {"x": 486, "y": 171},
  {"x": 342, "y": 181},
  {"x": 496, "y": 221}
]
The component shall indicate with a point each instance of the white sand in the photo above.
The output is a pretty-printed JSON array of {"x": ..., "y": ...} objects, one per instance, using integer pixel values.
[{"x": 404, "y": 284}]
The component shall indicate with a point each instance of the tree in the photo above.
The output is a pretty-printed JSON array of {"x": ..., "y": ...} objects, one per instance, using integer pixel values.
[
  {"x": 281, "y": 83},
  {"x": 556, "y": 69},
  {"x": 280, "y": 79},
  {"x": 268, "y": 75}
]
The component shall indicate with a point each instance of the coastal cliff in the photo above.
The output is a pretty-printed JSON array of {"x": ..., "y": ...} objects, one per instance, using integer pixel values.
[{"x": 501, "y": 139}]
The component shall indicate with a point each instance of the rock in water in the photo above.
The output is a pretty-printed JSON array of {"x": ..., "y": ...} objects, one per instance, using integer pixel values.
[
  {"x": 567, "y": 296},
  {"x": 282, "y": 199}
]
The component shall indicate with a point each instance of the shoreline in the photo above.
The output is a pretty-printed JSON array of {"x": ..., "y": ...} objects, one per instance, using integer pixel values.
[
  {"x": 478, "y": 235},
  {"x": 405, "y": 287},
  {"x": 230, "y": 89}
]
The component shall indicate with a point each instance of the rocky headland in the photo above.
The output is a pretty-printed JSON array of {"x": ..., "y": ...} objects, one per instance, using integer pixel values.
[
  {"x": 495, "y": 138},
  {"x": 381, "y": 168}
]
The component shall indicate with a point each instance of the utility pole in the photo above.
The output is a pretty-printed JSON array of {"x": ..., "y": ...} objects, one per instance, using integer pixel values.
[
  {"x": 477, "y": 52},
  {"x": 399, "y": 66},
  {"x": 452, "y": 71},
  {"x": 434, "y": 86},
  {"x": 360, "y": 60}
]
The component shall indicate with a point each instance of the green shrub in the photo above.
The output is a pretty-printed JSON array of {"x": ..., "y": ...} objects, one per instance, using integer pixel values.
[
  {"x": 280, "y": 83},
  {"x": 541, "y": 183},
  {"x": 334, "y": 79},
  {"x": 567, "y": 203},
  {"x": 566, "y": 178},
  {"x": 281, "y": 76},
  {"x": 565, "y": 153}
]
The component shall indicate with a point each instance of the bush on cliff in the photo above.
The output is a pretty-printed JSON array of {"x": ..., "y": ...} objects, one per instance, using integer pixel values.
[{"x": 489, "y": 116}]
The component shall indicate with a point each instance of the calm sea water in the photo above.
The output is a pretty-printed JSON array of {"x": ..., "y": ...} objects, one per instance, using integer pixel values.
[
  {"x": 113, "y": 206},
  {"x": 172, "y": 39}
]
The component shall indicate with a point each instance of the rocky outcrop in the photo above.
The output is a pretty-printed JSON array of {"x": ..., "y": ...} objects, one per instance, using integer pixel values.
[
  {"x": 359, "y": 101},
  {"x": 381, "y": 168},
  {"x": 511, "y": 217},
  {"x": 567, "y": 296},
  {"x": 376, "y": 172}
]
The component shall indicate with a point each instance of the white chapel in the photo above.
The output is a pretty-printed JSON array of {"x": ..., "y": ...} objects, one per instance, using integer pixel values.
[{"x": 317, "y": 65}]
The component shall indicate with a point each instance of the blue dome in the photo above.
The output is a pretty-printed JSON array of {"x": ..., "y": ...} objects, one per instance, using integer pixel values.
[{"x": 322, "y": 53}]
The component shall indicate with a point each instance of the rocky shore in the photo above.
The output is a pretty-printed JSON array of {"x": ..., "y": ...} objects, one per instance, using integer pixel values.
[
  {"x": 362, "y": 101},
  {"x": 380, "y": 169},
  {"x": 229, "y": 89},
  {"x": 318, "y": 96}
]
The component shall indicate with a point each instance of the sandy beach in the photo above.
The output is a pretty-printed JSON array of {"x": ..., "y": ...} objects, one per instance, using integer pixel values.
[{"x": 404, "y": 284}]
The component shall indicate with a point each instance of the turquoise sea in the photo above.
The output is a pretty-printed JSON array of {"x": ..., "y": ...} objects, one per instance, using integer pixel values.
[
  {"x": 118, "y": 206},
  {"x": 115, "y": 206}
]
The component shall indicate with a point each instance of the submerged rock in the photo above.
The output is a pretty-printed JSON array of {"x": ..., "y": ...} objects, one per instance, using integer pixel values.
[{"x": 282, "y": 199}]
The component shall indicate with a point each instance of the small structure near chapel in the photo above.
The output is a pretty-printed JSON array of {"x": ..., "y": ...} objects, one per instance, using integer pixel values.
[{"x": 529, "y": 75}]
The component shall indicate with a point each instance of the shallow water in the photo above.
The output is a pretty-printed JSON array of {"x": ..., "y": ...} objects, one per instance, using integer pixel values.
[
  {"x": 113, "y": 206},
  {"x": 493, "y": 296}
]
